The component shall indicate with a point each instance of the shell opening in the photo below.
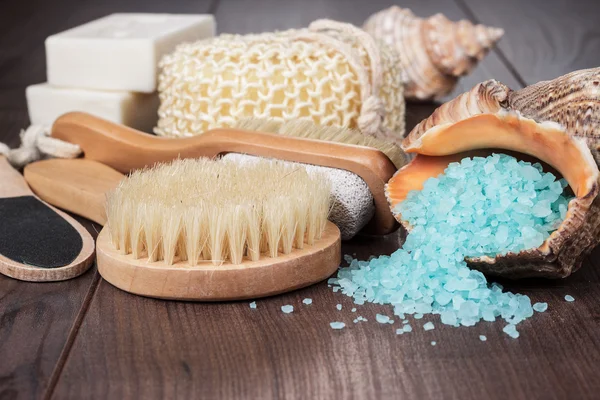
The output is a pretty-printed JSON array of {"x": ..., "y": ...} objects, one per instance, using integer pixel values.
[{"x": 508, "y": 131}]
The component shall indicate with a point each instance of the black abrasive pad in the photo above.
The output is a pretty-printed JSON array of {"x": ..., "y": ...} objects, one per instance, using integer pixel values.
[{"x": 31, "y": 233}]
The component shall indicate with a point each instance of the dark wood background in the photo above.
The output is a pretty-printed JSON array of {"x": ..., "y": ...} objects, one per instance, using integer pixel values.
[{"x": 86, "y": 339}]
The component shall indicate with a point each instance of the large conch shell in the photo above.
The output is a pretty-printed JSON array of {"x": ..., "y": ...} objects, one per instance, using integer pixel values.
[
  {"x": 554, "y": 122},
  {"x": 434, "y": 52}
]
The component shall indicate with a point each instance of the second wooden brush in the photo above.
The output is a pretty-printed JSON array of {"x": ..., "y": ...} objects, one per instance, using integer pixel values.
[{"x": 200, "y": 229}]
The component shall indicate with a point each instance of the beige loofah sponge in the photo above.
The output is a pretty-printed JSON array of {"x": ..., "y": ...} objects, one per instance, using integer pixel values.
[{"x": 331, "y": 73}]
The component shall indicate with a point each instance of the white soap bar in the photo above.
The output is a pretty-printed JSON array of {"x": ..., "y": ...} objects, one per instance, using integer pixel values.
[
  {"x": 136, "y": 110},
  {"x": 120, "y": 51}
]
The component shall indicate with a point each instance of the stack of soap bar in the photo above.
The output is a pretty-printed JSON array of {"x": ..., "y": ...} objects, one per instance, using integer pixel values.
[
  {"x": 104, "y": 66},
  {"x": 136, "y": 110}
]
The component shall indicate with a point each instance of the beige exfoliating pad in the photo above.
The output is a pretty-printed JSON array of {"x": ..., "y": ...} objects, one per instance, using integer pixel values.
[{"x": 331, "y": 73}]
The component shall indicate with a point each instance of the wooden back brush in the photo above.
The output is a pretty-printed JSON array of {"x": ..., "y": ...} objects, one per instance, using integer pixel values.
[{"x": 126, "y": 149}]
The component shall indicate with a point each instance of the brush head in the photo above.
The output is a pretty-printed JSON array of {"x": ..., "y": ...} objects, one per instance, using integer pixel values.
[
  {"x": 351, "y": 204},
  {"x": 307, "y": 129},
  {"x": 216, "y": 210}
]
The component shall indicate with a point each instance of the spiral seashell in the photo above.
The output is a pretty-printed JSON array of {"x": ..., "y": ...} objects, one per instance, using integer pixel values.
[
  {"x": 434, "y": 52},
  {"x": 553, "y": 121},
  {"x": 572, "y": 100}
]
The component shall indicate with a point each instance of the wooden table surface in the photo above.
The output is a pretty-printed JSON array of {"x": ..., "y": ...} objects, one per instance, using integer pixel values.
[{"x": 86, "y": 339}]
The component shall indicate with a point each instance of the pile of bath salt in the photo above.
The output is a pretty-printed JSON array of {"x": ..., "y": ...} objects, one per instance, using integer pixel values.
[{"x": 480, "y": 206}]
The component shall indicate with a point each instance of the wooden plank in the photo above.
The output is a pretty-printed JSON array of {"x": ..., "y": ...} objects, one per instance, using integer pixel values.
[
  {"x": 11, "y": 123},
  {"x": 544, "y": 38},
  {"x": 36, "y": 321},
  {"x": 156, "y": 349}
]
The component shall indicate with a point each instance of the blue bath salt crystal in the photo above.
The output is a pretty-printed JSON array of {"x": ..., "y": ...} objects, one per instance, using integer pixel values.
[
  {"x": 383, "y": 319},
  {"x": 337, "y": 325},
  {"x": 407, "y": 328},
  {"x": 307, "y": 301},
  {"x": 511, "y": 331},
  {"x": 354, "y": 309},
  {"x": 253, "y": 305},
  {"x": 433, "y": 343},
  {"x": 339, "y": 307},
  {"x": 428, "y": 326},
  {"x": 287, "y": 309},
  {"x": 469, "y": 211},
  {"x": 540, "y": 307},
  {"x": 399, "y": 331},
  {"x": 569, "y": 298},
  {"x": 483, "y": 338}
]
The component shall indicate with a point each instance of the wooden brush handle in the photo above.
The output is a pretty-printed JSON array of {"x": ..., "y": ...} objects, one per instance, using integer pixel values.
[
  {"x": 78, "y": 186},
  {"x": 126, "y": 149}
]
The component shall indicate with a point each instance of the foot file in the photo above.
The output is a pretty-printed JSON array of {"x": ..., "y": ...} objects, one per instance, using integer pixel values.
[{"x": 37, "y": 242}]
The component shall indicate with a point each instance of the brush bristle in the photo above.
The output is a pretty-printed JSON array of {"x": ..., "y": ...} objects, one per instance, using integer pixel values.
[
  {"x": 200, "y": 210},
  {"x": 304, "y": 128}
]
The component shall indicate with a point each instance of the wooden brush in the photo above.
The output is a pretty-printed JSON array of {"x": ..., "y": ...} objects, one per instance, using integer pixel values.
[
  {"x": 37, "y": 242},
  {"x": 126, "y": 149},
  {"x": 201, "y": 229}
]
